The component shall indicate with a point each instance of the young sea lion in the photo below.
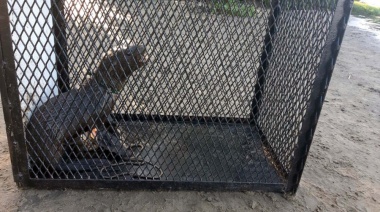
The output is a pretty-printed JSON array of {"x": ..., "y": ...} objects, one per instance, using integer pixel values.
[{"x": 53, "y": 124}]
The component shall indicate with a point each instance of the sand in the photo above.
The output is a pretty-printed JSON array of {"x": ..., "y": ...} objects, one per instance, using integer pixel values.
[{"x": 342, "y": 171}]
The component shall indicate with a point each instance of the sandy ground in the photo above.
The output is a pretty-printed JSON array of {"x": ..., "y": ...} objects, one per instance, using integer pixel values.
[{"x": 341, "y": 174}]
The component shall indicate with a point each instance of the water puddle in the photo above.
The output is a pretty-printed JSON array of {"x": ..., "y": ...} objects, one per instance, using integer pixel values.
[{"x": 365, "y": 24}]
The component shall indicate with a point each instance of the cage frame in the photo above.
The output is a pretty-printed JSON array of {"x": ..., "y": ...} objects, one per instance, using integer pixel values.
[{"x": 16, "y": 134}]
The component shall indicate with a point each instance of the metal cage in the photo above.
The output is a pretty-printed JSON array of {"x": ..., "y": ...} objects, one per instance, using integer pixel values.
[{"x": 207, "y": 94}]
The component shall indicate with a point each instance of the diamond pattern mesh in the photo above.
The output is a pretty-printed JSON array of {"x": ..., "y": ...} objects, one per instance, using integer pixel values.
[
  {"x": 186, "y": 115},
  {"x": 290, "y": 77}
]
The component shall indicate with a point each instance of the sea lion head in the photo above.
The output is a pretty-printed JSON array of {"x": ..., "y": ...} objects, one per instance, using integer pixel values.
[
  {"x": 133, "y": 57},
  {"x": 118, "y": 64}
]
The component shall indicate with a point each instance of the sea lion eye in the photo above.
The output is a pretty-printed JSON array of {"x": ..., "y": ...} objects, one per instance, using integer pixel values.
[{"x": 128, "y": 53}]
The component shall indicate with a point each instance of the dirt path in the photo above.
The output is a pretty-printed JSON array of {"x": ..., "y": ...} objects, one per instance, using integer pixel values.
[{"x": 342, "y": 172}]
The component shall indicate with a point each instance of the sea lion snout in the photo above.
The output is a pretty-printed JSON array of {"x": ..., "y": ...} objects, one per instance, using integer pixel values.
[
  {"x": 138, "y": 49},
  {"x": 139, "y": 54}
]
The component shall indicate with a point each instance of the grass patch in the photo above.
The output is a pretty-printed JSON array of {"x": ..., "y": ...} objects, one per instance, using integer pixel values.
[
  {"x": 241, "y": 8},
  {"x": 363, "y": 9},
  {"x": 234, "y": 8}
]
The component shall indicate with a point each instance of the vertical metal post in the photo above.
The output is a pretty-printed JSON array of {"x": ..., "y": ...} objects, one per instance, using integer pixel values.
[
  {"x": 260, "y": 85},
  {"x": 60, "y": 44},
  {"x": 11, "y": 102},
  {"x": 321, "y": 83},
  {"x": 264, "y": 60}
]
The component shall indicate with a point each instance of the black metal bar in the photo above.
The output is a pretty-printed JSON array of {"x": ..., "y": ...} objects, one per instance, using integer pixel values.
[
  {"x": 181, "y": 118},
  {"x": 322, "y": 79},
  {"x": 264, "y": 60},
  {"x": 260, "y": 84},
  {"x": 154, "y": 185},
  {"x": 60, "y": 44},
  {"x": 10, "y": 100}
]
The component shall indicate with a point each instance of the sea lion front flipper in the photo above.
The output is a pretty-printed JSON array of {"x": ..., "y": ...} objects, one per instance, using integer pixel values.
[
  {"x": 136, "y": 170},
  {"x": 82, "y": 169},
  {"x": 116, "y": 149}
]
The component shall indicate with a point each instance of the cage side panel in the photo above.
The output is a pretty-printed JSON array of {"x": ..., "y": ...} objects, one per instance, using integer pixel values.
[
  {"x": 10, "y": 101},
  {"x": 31, "y": 25},
  {"x": 204, "y": 63},
  {"x": 319, "y": 90},
  {"x": 264, "y": 60},
  {"x": 297, "y": 49}
]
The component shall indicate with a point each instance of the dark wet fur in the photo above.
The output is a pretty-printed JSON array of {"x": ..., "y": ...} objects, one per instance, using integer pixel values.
[{"x": 53, "y": 125}]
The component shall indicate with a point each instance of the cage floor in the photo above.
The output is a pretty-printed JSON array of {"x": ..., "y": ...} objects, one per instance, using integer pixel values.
[
  {"x": 184, "y": 152},
  {"x": 209, "y": 152}
]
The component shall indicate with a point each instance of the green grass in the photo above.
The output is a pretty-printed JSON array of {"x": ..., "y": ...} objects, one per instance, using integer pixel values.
[
  {"x": 234, "y": 8},
  {"x": 362, "y": 9},
  {"x": 240, "y": 8}
]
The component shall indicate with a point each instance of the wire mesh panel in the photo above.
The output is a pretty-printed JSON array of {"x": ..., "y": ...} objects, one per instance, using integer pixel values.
[
  {"x": 290, "y": 77},
  {"x": 169, "y": 93}
]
